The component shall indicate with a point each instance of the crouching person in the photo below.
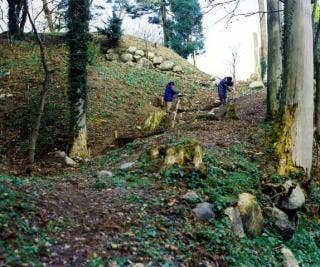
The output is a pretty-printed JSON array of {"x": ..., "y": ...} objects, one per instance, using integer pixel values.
[
  {"x": 168, "y": 96},
  {"x": 223, "y": 88}
]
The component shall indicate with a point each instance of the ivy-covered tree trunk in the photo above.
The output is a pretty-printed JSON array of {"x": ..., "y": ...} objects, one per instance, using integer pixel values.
[
  {"x": 264, "y": 42},
  {"x": 274, "y": 58},
  {"x": 164, "y": 22},
  {"x": 78, "y": 25},
  {"x": 48, "y": 15},
  {"x": 295, "y": 132}
]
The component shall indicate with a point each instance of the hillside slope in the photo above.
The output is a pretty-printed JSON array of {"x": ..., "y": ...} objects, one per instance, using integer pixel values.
[{"x": 119, "y": 95}]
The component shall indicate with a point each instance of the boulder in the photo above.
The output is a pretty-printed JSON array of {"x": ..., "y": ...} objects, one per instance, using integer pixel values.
[
  {"x": 177, "y": 69},
  {"x": 130, "y": 63},
  {"x": 157, "y": 60},
  {"x": 204, "y": 211},
  {"x": 5, "y": 96},
  {"x": 145, "y": 63},
  {"x": 166, "y": 65},
  {"x": 112, "y": 56},
  {"x": 256, "y": 85},
  {"x": 126, "y": 57},
  {"x": 69, "y": 162},
  {"x": 281, "y": 221},
  {"x": 111, "y": 51},
  {"x": 150, "y": 55},
  {"x": 234, "y": 215},
  {"x": 60, "y": 154},
  {"x": 126, "y": 165},
  {"x": 191, "y": 197},
  {"x": 132, "y": 49},
  {"x": 251, "y": 214},
  {"x": 139, "y": 53},
  {"x": 104, "y": 173},
  {"x": 289, "y": 260},
  {"x": 296, "y": 197}
]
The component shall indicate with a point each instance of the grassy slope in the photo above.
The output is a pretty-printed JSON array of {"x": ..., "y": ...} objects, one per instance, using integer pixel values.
[{"x": 118, "y": 94}]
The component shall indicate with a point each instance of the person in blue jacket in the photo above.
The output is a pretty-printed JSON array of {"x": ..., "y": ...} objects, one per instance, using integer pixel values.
[
  {"x": 168, "y": 96},
  {"x": 223, "y": 88}
]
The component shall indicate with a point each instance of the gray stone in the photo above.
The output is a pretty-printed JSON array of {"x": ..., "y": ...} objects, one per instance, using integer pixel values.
[
  {"x": 136, "y": 58},
  {"x": 204, "y": 211},
  {"x": 60, "y": 154},
  {"x": 157, "y": 60},
  {"x": 69, "y": 162},
  {"x": 191, "y": 197},
  {"x": 166, "y": 65},
  {"x": 251, "y": 214},
  {"x": 281, "y": 221},
  {"x": 104, "y": 173},
  {"x": 145, "y": 63},
  {"x": 112, "y": 56},
  {"x": 126, "y": 57},
  {"x": 132, "y": 49},
  {"x": 289, "y": 260},
  {"x": 130, "y": 63},
  {"x": 150, "y": 55},
  {"x": 256, "y": 85},
  {"x": 296, "y": 198},
  {"x": 111, "y": 51},
  {"x": 139, "y": 53},
  {"x": 126, "y": 165},
  {"x": 5, "y": 96},
  {"x": 234, "y": 215},
  {"x": 177, "y": 69}
]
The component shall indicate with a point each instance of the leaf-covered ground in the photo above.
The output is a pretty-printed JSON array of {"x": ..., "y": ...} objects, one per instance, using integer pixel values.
[{"x": 138, "y": 216}]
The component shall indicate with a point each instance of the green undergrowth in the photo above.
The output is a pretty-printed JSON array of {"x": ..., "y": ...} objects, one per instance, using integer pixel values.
[
  {"x": 230, "y": 171},
  {"x": 22, "y": 238}
]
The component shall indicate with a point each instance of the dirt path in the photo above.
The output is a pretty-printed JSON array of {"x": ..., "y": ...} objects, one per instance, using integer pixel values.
[{"x": 138, "y": 225}]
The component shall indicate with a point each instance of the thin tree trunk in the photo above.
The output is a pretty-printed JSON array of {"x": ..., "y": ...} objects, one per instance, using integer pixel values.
[
  {"x": 264, "y": 43},
  {"x": 317, "y": 74},
  {"x": 274, "y": 58},
  {"x": 43, "y": 95},
  {"x": 256, "y": 56},
  {"x": 295, "y": 133},
  {"x": 48, "y": 15},
  {"x": 163, "y": 11}
]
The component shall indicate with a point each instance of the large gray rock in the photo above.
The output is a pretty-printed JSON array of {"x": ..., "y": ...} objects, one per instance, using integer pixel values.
[
  {"x": 204, "y": 211},
  {"x": 150, "y": 55},
  {"x": 289, "y": 260},
  {"x": 296, "y": 198},
  {"x": 69, "y": 162},
  {"x": 145, "y": 63},
  {"x": 60, "y": 154},
  {"x": 104, "y": 174},
  {"x": 126, "y": 165},
  {"x": 139, "y": 53},
  {"x": 191, "y": 197},
  {"x": 132, "y": 49},
  {"x": 256, "y": 85},
  {"x": 251, "y": 214},
  {"x": 177, "y": 69},
  {"x": 136, "y": 58},
  {"x": 126, "y": 57},
  {"x": 157, "y": 60},
  {"x": 234, "y": 215},
  {"x": 166, "y": 65},
  {"x": 112, "y": 56},
  {"x": 281, "y": 221}
]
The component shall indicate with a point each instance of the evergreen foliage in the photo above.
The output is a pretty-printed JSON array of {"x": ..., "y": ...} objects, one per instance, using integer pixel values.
[
  {"x": 186, "y": 32},
  {"x": 112, "y": 31},
  {"x": 78, "y": 24}
]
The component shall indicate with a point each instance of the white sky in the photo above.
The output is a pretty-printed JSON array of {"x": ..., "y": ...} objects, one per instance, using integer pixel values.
[{"x": 221, "y": 39}]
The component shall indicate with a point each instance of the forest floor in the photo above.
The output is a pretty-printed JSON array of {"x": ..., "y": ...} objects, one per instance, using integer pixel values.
[{"x": 137, "y": 216}]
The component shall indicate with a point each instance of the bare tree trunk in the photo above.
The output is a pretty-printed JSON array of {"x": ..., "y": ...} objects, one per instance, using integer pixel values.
[
  {"x": 48, "y": 15},
  {"x": 256, "y": 55},
  {"x": 274, "y": 58},
  {"x": 43, "y": 95},
  {"x": 163, "y": 11},
  {"x": 295, "y": 132},
  {"x": 317, "y": 73},
  {"x": 264, "y": 43}
]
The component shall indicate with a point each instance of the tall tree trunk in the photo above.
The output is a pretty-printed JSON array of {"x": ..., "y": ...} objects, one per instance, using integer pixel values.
[
  {"x": 264, "y": 44},
  {"x": 17, "y": 16},
  {"x": 295, "y": 132},
  {"x": 48, "y": 15},
  {"x": 43, "y": 96},
  {"x": 274, "y": 58},
  {"x": 78, "y": 34},
  {"x": 256, "y": 55},
  {"x": 164, "y": 22},
  {"x": 317, "y": 72}
]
